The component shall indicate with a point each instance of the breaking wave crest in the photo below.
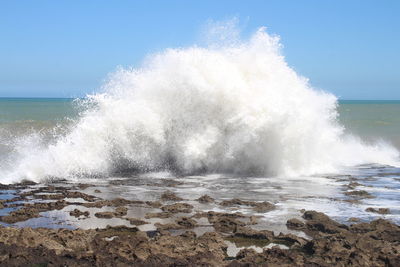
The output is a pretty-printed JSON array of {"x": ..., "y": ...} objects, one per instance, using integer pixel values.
[{"x": 222, "y": 109}]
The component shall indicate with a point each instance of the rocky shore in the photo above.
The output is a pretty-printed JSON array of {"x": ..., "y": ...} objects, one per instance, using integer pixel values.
[{"x": 180, "y": 234}]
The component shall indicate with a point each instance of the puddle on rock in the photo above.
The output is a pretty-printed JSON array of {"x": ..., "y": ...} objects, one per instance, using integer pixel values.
[{"x": 258, "y": 245}]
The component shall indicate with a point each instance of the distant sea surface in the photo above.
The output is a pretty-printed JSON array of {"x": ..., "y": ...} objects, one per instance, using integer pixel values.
[{"x": 372, "y": 119}]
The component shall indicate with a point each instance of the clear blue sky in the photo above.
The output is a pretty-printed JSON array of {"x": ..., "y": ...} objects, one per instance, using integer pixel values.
[{"x": 67, "y": 48}]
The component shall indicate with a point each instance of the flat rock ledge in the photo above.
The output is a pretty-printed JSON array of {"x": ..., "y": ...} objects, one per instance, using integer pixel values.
[{"x": 333, "y": 244}]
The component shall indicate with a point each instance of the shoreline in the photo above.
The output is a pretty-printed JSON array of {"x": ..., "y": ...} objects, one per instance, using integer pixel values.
[{"x": 171, "y": 231}]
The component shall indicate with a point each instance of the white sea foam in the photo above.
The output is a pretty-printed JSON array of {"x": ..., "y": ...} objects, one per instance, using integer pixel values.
[{"x": 222, "y": 109}]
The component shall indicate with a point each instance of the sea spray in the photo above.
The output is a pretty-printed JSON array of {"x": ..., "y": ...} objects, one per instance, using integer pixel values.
[{"x": 237, "y": 109}]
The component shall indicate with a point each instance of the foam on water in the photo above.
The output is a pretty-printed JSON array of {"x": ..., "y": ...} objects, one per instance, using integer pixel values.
[{"x": 232, "y": 108}]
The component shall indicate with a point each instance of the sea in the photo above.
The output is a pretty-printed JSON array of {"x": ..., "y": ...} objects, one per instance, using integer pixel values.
[{"x": 229, "y": 121}]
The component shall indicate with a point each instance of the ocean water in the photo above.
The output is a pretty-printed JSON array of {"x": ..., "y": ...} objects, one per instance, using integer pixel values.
[
  {"x": 372, "y": 120},
  {"x": 226, "y": 120}
]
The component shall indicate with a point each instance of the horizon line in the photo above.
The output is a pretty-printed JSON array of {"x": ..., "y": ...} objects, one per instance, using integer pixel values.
[{"x": 49, "y": 97}]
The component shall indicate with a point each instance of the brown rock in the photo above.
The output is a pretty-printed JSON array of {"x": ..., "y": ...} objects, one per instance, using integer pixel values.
[
  {"x": 105, "y": 214},
  {"x": 84, "y": 196},
  {"x": 295, "y": 224},
  {"x": 154, "y": 204},
  {"x": 120, "y": 211},
  {"x": 123, "y": 202},
  {"x": 257, "y": 206},
  {"x": 353, "y": 185},
  {"x": 319, "y": 222},
  {"x": 189, "y": 234},
  {"x": 167, "y": 226},
  {"x": 77, "y": 213},
  {"x": 253, "y": 220},
  {"x": 247, "y": 232},
  {"x": 177, "y": 208},
  {"x": 22, "y": 214},
  {"x": 263, "y": 206},
  {"x": 379, "y": 211},
  {"x": 205, "y": 199},
  {"x": 29, "y": 211},
  {"x": 290, "y": 240},
  {"x": 364, "y": 244},
  {"x": 169, "y": 196},
  {"x": 227, "y": 224},
  {"x": 163, "y": 215},
  {"x": 359, "y": 194},
  {"x": 186, "y": 222},
  {"x": 233, "y": 202},
  {"x": 136, "y": 222}
]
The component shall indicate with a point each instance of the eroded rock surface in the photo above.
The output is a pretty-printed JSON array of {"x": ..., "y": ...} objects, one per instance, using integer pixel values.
[
  {"x": 257, "y": 206},
  {"x": 332, "y": 244},
  {"x": 175, "y": 242}
]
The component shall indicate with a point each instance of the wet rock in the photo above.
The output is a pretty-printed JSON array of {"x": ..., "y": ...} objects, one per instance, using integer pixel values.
[
  {"x": 359, "y": 194},
  {"x": 136, "y": 222},
  {"x": 28, "y": 211},
  {"x": 77, "y": 213},
  {"x": 364, "y": 244},
  {"x": 233, "y": 202},
  {"x": 257, "y": 206},
  {"x": 189, "y": 234},
  {"x": 262, "y": 206},
  {"x": 154, "y": 204},
  {"x": 153, "y": 233},
  {"x": 97, "y": 204},
  {"x": 84, "y": 196},
  {"x": 319, "y": 222},
  {"x": 227, "y": 224},
  {"x": 105, "y": 214},
  {"x": 162, "y": 215},
  {"x": 48, "y": 196},
  {"x": 167, "y": 226},
  {"x": 97, "y": 191},
  {"x": 214, "y": 217},
  {"x": 117, "y": 202},
  {"x": 177, "y": 208},
  {"x": 120, "y": 211},
  {"x": 20, "y": 215},
  {"x": 295, "y": 224},
  {"x": 247, "y": 232},
  {"x": 170, "y": 183},
  {"x": 205, "y": 199},
  {"x": 290, "y": 240},
  {"x": 170, "y": 196},
  {"x": 123, "y": 202},
  {"x": 379, "y": 210},
  {"x": 353, "y": 185},
  {"x": 253, "y": 220},
  {"x": 186, "y": 222}
]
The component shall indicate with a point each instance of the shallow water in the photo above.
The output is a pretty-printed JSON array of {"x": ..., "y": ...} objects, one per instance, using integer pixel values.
[{"x": 290, "y": 195}]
